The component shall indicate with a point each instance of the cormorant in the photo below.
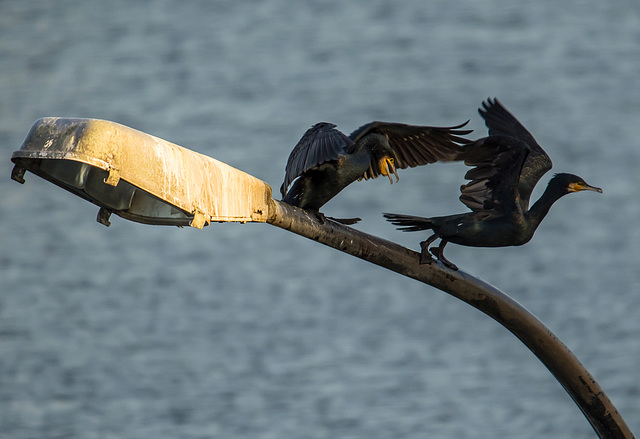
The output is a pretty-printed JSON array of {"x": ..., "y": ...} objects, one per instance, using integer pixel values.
[
  {"x": 507, "y": 165},
  {"x": 325, "y": 160}
]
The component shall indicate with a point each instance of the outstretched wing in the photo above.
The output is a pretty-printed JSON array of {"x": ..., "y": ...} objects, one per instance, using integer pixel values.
[
  {"x": 497, "y": 162},
  {"x": 500, "y": 121},
  {"x": 415, "y": 145},
  {"x": 321, "y": 143}
]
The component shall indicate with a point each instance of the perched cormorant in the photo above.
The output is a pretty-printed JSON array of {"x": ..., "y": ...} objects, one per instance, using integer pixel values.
[
  {"x": 507, "y": 165},
  {"x": 325, "y": 160}
]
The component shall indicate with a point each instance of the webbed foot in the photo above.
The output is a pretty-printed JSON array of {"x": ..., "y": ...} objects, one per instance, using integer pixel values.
[
  {"x": 438, "y": 252},
  {"x": 345, "y": 221},
  {"x": 425, "y": 257},
  {"x": 320, "y": 216}
]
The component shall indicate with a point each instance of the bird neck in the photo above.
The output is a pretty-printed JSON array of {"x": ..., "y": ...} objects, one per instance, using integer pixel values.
[
  {"x": 540, "y": 208},
  {"x": 362, "y": 148}
]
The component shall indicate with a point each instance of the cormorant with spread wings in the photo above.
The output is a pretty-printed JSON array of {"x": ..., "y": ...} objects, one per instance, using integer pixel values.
[
  {"x": 325, "y": 160},
  {"x": 507, "y": 165}
]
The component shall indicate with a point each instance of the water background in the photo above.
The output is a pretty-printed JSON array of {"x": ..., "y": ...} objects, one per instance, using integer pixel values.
[{"x": 247, "y": 331}]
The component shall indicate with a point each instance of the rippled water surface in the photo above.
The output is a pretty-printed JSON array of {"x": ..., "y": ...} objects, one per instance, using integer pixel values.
[{"x": 247, "y": 331}]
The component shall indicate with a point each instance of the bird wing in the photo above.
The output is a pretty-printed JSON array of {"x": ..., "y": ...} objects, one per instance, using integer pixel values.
[
  {"x": 497, "y": 162},
  {"x": 415, "y": 145},
  {"x": 321, "y": 143},
  {"x": 500, "y": 121}
]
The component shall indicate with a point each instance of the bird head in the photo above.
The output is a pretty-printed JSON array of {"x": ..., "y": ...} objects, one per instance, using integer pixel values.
[
  {"x": 573, "y": 183},
  {"x": 383, "y": 154}
]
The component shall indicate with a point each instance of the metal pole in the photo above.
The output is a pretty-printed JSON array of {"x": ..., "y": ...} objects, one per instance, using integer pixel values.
[{"x": 565, "y": 367}]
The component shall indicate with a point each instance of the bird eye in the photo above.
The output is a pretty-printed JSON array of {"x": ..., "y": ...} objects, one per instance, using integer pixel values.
[{"x": 391, "y": 160}]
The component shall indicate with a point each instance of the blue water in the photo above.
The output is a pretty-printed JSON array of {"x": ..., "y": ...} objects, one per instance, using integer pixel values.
[{"x": 247, "y": 331}]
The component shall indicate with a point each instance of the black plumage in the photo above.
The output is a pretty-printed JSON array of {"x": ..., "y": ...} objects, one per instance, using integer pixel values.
[
  {"x": 507, "y": 165},
  {"x": 325, "y": 160}
]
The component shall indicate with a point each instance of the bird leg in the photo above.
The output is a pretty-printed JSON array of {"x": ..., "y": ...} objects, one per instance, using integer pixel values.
[
  {"x": 425, "y": 257},
  {"x": 438, "y": 252}
]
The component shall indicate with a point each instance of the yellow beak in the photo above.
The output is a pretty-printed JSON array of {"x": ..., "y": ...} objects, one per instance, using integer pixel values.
[
  {"x": 577, "y": 187},
  {"x": 387, "y": 168}
]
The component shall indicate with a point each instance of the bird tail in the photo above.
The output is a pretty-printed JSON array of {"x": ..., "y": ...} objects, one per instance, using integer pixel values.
[{"x": 409, "y": 223}]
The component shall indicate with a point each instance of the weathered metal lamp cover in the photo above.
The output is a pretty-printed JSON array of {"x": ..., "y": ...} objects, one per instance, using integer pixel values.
[{"x": 138, "y": 176}]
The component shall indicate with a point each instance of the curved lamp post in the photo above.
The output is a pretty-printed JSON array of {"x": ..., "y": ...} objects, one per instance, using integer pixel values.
[{"x": 146, "y": 179}]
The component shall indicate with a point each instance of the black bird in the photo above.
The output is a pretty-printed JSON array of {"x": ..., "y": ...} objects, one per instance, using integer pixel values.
[
  {"x": 325, "y": 160},
  {"x": 507, "y": 165}
]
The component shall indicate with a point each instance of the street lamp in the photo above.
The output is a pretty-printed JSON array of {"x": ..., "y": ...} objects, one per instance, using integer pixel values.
[
  {"x": 138, "y": 176},
  {"x": 146, "y": 179}
]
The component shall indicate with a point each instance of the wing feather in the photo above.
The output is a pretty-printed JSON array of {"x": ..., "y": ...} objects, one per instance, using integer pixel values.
[
  {"x": 497, "y": 162},
  {"x": 321, "y": 143},
  {"x": 415, "y": 145},
  {"x": 502, "y": 122}
]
